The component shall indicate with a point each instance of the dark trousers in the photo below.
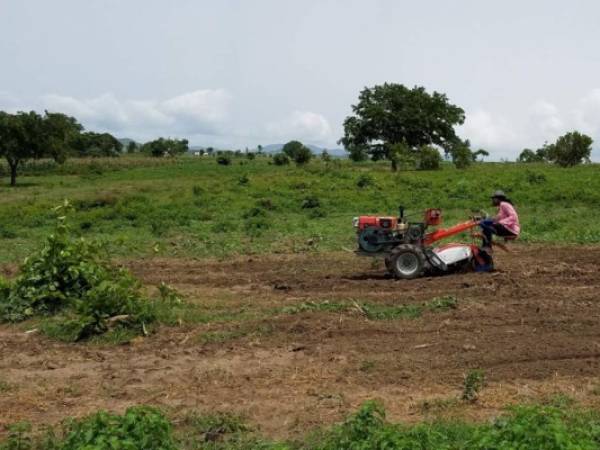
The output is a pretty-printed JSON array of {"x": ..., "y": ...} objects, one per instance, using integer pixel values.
[{"x": 490, "y": 228}]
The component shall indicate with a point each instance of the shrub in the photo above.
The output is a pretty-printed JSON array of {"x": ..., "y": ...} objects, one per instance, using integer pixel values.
[
  {"x": 311, "y": 202},
  {"x": 473, "y": 383},
  {"x": 429, "y": 158},
  {"x": 74, "y": 278},
  {"x": 365, "y": 180},
  {"x": 535, "y": 177},
  {"x": 281, "y": 159},
  {"x": 224, "y": 160},
  {"x": 462, "y": 157},
  {"x": 243, "y": 180},
  {"x": 298, "y": 152},
  {"x": 140, "y": 428}
]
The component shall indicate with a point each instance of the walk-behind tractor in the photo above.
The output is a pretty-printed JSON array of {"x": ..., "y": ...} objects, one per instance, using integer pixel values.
[{"x": 408, "y": 247}]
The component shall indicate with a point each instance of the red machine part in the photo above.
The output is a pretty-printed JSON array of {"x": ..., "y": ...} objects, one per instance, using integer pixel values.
[
  {"x": 433, "y": 216},
  {"x": 443, "y": 233},
  {"x": 376, "y": 221}
]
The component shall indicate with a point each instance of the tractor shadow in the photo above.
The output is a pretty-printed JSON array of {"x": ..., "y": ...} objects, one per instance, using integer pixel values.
[{"x": 368, "y": 276}]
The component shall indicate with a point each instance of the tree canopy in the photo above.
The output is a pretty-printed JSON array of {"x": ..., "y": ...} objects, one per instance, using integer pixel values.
[
  {"x": 298, "y": 152},
  {"x": 391, "y": 114},
  {"x": 165, "y": 147},
  {"x": 97, "y": 145},
  {"x": 569, "y": 150},
  {"x": 27, "y": 135}
]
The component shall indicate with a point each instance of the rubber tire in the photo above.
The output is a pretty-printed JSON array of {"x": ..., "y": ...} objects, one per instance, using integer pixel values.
[{"x": 403, "y": 249}]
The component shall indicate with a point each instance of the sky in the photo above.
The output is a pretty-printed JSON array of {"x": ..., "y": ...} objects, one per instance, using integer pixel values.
[{"x": 235, "y": 73}]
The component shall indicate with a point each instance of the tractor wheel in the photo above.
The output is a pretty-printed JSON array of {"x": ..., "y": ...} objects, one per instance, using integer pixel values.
[{"x": 407, "y": 262}]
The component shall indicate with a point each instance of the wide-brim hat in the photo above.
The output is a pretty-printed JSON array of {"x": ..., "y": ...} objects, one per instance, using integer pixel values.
[{"x": 499, "y": 194}]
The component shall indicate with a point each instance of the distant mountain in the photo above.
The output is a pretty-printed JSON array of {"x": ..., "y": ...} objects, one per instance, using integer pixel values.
[{"x": 276, "y": 148}]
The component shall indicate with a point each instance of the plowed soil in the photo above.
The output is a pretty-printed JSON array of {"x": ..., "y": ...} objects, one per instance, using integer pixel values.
[{"x": 533, "y": 326}]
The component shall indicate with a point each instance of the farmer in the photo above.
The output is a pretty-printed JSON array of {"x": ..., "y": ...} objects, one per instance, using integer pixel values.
[{"x": 505, "y": 223}]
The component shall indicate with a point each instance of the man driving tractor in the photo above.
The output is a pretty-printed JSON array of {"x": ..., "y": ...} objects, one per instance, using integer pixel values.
[{"x": 505, "y": 224}]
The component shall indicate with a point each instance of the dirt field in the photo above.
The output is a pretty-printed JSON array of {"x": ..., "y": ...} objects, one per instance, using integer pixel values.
[{"x": 533, "y": 327}]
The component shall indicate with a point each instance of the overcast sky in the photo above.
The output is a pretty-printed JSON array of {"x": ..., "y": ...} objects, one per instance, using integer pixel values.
[{"x": 240, "y": 73}]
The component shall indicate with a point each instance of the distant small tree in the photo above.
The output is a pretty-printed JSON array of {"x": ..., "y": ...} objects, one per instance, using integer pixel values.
[
  {"x": 131, "y": 147},
  {"x": 429, "y": 158},
  {"x": 250, "y": 155},
  {"x": 529, "y": 156},
  {"x": 281, "y": 159},
  {"x": 325, "y": 156},
  {"x": 570, "y": 150},
  {"x": 260, "y": 149},
  {"x": 165, "y": 147},
  {"x": 298, "y": 152},
  {"x": 462, "y": 156},
  {"x": 480, "y": 153}
]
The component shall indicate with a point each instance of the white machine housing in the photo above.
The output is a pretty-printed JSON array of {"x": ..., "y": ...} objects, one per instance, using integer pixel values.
[{"x": 452, "y": 254}]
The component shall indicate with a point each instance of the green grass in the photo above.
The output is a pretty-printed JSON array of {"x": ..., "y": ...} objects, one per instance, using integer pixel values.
[
  {"x": 195, "y": 207},
  {"x": 529, "y": 427},
  {"x": 376, "y": 311}
]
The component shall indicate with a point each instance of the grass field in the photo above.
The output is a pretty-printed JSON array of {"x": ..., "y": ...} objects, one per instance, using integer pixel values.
[
  {"x": 194, "y": 207},
  {"x": 274, "y": 336}
]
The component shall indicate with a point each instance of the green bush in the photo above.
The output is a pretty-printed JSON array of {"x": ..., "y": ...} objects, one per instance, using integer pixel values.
[
  {"x": 526, "y": 428},
  {"x": 310, "y": 202},
  {"x": 428, "y": 158},
  {"x": 74, "y": 279},
  {"x": 281, "y": 159},
  {"x": 224, "y": 160},
  {"x": 365, "y": 180}
]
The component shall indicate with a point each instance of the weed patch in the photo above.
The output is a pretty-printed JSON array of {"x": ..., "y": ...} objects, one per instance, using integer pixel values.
[{"x": 73, "y": 281}]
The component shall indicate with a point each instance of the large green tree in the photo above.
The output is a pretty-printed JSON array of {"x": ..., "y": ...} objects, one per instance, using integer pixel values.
[
  {"x": 298, "y": 152},
  {"x": 27, "y": 135},
  {"x": 61, "y": 133},
  {"x": 570, "y": 150},
  {"x": 391, "y": 114}
]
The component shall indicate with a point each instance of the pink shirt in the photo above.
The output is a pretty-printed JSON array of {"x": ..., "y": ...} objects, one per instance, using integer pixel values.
[{"x": 507, "y": 216}]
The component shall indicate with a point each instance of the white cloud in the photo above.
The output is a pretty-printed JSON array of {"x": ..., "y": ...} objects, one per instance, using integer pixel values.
[
  {"x": 201, "y": 112},
  {"x": 302, "y": 125},
  {"x": 542, "y": 122},
  {"x": 488, "y": 131}
]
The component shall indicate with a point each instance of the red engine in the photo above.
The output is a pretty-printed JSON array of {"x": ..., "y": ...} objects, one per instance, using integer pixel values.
[{"x": 377, "y": 222}]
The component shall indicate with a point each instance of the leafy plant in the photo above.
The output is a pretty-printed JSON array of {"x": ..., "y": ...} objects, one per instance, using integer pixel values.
[
  {"x": 142, "y": 428},
  {"x": 365, "y": 180},
  {"x": 74, "y": 280},
  {"x": 224, "y": 160},
  {"x": 311, "y": 201},
  {"x": 281, "y": 159},
  {"x": 473, "y": 383}
]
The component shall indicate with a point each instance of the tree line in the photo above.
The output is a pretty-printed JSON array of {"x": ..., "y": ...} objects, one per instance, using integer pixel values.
[
  {"x": 408, "y": 126},
  {"x": 29, "y": 135}
]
